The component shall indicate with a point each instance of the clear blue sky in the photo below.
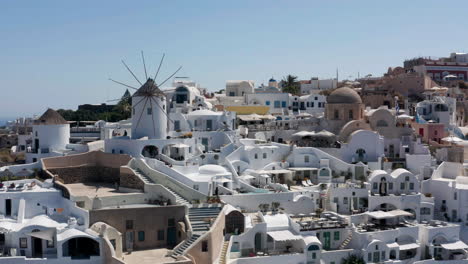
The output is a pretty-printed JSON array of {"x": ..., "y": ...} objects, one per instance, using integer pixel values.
[{"x": 60, "y": 53}]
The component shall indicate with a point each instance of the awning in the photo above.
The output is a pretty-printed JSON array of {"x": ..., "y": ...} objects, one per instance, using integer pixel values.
[
  {"x": 47, "y": 234},
  {"x": 454, "y": 245},
  {"x": 399, "y": 212},
  {"x": 284, "y": 235},
  {"x": 247, "y": 177},
  {"x": 380, "y": 215},
  {"x": 408, "y": 246}
]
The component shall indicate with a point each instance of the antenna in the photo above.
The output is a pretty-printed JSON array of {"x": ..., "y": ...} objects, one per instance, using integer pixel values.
[
  {"x": 126, "y": 85},
  {"x": 144, "y": 65},
  {"x": 170, "y": 76},
  {"x": 159, "y": 67},
  {"x": 131, "y": 72}
]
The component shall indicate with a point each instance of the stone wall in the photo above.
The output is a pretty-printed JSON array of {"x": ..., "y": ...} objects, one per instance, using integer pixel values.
[
  {"x": 128, "y": 179},
  {"x": 149, "y": 220},
  {"x": 86, "y": 173}
]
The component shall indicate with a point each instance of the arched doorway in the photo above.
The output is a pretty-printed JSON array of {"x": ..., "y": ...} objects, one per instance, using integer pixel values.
[
  {"x": 360, "y": 154},
  {"x": 235, "y": 222},
  {"x": 383, "y": 187},
  {"x": 80, "y": 248},
  {"x": 150, "y": 152},
  {"x": 312, "y": 252}
]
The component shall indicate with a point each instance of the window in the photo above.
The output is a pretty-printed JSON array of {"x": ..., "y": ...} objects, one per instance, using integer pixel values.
[
  {"x": 149, "y": 111},
  {"x": 455, "y": 196},
  {"x": 256, "y": 156},
  {"x": 267, "y": 102},
  {"x": 176, "y": 125},
  {"x": 306, "y": 159},
  {"x": 383, "y": 255},
  {"x": 312, "y": 104},
  {"x": 283, "y": 104},
  {"x": 264, "y": 155},
  {"x": 277, "y": 104},
  {"x": 411, "y": 186},
  {"x": 369, "y": 257},
  {"x": 141, "y": 235},
  {"x": 336, "y": 114},
  {"x": 350, "y": 114},
  {"x": 50, "y": 243},
  {"x": 129, "y": 224},
  {"x": 345, "y": 200},
  {"x": 390, "y": 185},
  {"x": 425, "y": 211},
  {"x": 336, "y": 235},
  {"x": 23, "y": 242},
  {"x": 171, "y": 222},
  {"x": 161, "y": 234},
  {"x": 195, "y": 187},
  {"x": 314, "y": 255},
  {"x": 374, "y": 186},
  {"x": 402, "y": 186},
  {"x": 315, "y": 98},
  {"x": 204, "y": 246}
]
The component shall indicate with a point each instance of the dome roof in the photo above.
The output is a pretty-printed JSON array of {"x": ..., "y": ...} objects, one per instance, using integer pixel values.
[
  {"x": 272, "y": 80},
  {"x": 344, "y": 95},
  {"x": 211, "y": 169}
]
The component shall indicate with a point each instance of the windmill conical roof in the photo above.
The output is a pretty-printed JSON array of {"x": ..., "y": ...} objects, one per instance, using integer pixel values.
[
  {"x": 50, "y": 117},
  {"x": 149, "y": 88}
]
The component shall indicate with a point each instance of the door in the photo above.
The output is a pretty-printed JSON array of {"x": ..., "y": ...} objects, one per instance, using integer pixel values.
[
  {"x": 36, "y": 144},
  {"x": 8, "y": 207},
  {"x": 36, "y": 247},
  {"x": 326, "y": 237},
  {"x": 129, "y": 238},
  {"x": 209, "y": 125},
  {"x": 258, "y": 242},
  {"x": 204, "y": 142},
  {"x": 171, "y": 237}
]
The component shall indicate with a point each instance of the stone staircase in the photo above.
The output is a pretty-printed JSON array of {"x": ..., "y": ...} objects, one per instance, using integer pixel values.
[
  {"x": 147, "y": 180},
  {"x": 222, "y": 258},
  {"x": 347, "y": 240},
  {"x": 200, "y": 219}
]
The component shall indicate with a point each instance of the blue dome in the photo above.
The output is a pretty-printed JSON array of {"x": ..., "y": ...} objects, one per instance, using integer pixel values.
[{"x": 272, "y": 80}]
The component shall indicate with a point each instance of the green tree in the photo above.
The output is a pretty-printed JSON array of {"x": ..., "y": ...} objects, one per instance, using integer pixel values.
[
  {"x": 353, "y": 259},
  {"x": 124, "y": 106},
  {"x": 291, "y": 85}
]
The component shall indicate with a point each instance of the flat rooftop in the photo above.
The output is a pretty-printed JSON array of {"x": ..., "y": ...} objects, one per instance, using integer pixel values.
[
  {"x": 93, "y": 189},
  {"x": 149, "y": 256}
]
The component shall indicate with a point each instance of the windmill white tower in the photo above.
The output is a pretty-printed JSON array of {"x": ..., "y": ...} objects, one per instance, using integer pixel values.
[
  {"x": 149, "y": 112},
  {"x": 149, "y": 106}
]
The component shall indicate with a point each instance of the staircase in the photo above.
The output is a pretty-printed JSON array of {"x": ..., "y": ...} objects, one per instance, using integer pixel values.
[
  {"x": 347, "y": 240},
  {"x": 147, "y": 180},
  {"x": 200, "y": 220},
  {"x": 143, "y": 176},
  {"x": 327, "y": 205},
  {"x": 222, "y": 258}
]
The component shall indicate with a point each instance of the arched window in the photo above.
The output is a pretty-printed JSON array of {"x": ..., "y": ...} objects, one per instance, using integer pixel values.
[{"x": 313, "y": 248}]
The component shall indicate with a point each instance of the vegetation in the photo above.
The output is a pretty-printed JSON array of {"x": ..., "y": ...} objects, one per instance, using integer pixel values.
[
  {"x": 353, "y": 259},
  {"x": 291, "y": 85},
  {"x": 122, "y": 110},
  {"x": 7, "y": 158}
]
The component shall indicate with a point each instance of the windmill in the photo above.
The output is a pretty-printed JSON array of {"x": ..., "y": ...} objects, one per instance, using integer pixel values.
[{"x": 149, "y": 105}]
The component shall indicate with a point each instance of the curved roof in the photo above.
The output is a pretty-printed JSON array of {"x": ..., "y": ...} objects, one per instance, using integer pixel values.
[
  {"x": 344, "y": 95},
  {"x": 211, "y": 169},
  {"x": 149, "y": 89},
  {"x": 50, "y": 117}
]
